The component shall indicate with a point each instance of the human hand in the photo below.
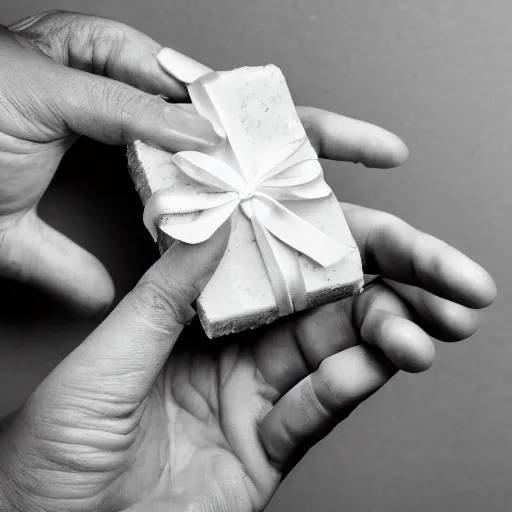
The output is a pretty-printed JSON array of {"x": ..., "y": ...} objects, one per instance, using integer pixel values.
[
  {"x": 121, "y": 424},
  {"x": 65, "y": 75},
  {"x": 136, "y": 419}
]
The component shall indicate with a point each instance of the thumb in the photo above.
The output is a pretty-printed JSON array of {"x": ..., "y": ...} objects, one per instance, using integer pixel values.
[
  {"x": 124, "y": 356},
  {"x": 115, "y": 113},
  {"x": 36, "y": 254}
]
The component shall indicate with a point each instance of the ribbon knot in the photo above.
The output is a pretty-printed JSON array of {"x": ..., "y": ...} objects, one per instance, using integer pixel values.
[
  {"x": 211, "y": 191},
  {"x": 247, "y": 192}
]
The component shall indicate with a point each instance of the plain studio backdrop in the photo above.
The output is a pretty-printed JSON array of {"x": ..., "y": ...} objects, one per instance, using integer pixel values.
[{"x": 437, "y": 73}]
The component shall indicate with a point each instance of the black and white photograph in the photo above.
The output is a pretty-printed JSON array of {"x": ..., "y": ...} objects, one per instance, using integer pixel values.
[{"x": 255, "y": 255}]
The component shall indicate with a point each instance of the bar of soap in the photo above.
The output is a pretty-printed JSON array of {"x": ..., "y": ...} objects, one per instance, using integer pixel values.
[{"x": 255, "y": 112}]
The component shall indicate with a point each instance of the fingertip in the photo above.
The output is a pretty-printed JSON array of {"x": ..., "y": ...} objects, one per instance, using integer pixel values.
[
  {"x": 472, "y": 285},
  {"x": 457, "y": 322},
  {"x": 441, "y": 318},
  {"x": 97, "y": 302},
  {"x": 194, "y": 264},
  {"x": 488, "y": 291},
  {"x": 407, "y": 345},
  {"x": 385, "y": 150},
  {"x": 404, "y": 343},
  {"x": 48, "y": 260},
  {"x": 398, "y": 151}
]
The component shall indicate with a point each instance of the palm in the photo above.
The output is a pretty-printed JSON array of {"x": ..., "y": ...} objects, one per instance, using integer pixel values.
[
  {"x": 31, "y": 146},
  {"x": 195, "y": 395},
  {"x": 205, "y": 409}
]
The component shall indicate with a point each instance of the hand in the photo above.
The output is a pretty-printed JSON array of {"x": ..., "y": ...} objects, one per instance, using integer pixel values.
[
  {"x": 52, "y": 92},
  {"x": 137, "y": 419}
]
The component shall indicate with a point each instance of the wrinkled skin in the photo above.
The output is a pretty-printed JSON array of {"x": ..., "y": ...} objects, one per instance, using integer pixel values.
[{"x": 145, "y": 415}]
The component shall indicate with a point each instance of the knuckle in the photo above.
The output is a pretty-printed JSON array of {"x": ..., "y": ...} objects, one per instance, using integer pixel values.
[
  {"x": 152, "y": 296},
  {"x": 67, "y": 37},
  {"x": 130, "y": 106},
  {"x": 123, "y": 106},
  {"x": 104, "y": 41},
  {"x": 48, "y": 31},
  {"x": 36, "y": 22},
  {"x": 159, "y": 303}
]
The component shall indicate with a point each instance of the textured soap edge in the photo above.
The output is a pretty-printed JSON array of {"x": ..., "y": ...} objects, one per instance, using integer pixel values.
[
  {"x": 320, "y": 298},
  {"x": 137, "y": 173},
  {"x": 139, "y": 178}
]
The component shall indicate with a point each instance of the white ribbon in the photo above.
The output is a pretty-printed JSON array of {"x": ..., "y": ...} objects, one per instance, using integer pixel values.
[{"x": 195, "y": 210}]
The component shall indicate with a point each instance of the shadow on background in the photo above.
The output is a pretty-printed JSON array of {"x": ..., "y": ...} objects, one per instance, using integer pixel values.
[{"x": 92, "y": 200}]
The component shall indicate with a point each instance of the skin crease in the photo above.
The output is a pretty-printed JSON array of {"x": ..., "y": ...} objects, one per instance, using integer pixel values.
[{"x": 147, "y": 416}]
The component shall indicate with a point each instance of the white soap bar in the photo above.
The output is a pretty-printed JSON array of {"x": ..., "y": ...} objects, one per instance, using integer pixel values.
[{"x": 255, "y": 112}]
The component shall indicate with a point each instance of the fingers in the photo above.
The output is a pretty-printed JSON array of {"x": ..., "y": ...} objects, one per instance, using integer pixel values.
[
  {"x": 294, "y": 347},
  {"x": 115, "y": 113},
  {"x": 120, "y": 52},
  {"x": 69, "y": 100},
  {"x": 337, "y": 137},
  {"x": 385, "y": 322},
  {"x": 441, "y": 318},
  {"x": 312, "y": 408},
  {"x": 319, "y": 401},
  {"x": 101, "y": 46},
  {"x": 124, "y": 356},
  {"x": 393, "y": 248},
  {"x": 334, "y": 136},
  {"x": 39, "y": 256},
  {"x": 181, "y": 67}
]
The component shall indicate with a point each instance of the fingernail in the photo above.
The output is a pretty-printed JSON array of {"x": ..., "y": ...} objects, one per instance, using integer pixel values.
[
  {"x": 190, "y": 130},
  {"x": 182, "y": 68}
]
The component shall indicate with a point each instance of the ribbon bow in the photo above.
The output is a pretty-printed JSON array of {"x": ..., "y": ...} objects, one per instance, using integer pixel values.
[{"x": 196, "y": 207}]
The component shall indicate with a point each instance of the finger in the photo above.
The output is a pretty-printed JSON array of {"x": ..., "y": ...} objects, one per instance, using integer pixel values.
[
  {"x": 122, "y": 53},
  {"x": 69, "y": 100},
  {"x": 295, "y": 346},
  {"x": 393, "y": 248},
  {"x": 385, "y": 322},
  {"x": 334, "y": 136},
  {"x": 337, "y": 137},
  {"x": 101, "y": 46},
  {"x": 181, "y": 67},
  {"x": 123, "y": 357},
  {"x": 34, "y": 253},
  {"x": 115, "y": 113},
  {"x": 312, "y": 408},
  {"x": 441, "y": 318}
]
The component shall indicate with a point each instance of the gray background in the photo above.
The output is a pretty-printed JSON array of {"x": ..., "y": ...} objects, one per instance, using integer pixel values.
[{"x": 438, "y": 73}]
